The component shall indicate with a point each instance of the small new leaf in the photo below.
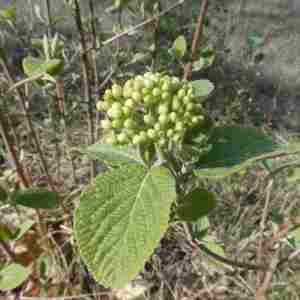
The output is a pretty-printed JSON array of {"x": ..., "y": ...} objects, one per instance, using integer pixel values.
[
  {"x": 179, "y": 47},
  {"x": 196, "y": 204},
  {"x": 33, "y": 66},
  {"x": 202, "y": 88}
]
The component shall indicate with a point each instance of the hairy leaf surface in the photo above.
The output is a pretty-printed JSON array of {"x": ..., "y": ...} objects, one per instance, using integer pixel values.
[{"x": 122, "y": 216}]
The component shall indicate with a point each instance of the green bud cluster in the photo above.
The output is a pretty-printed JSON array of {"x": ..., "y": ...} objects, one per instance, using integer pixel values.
[{"x": 153, "y": 108}]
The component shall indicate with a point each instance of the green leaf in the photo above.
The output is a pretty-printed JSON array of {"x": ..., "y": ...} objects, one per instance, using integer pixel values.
[
  {"x": 22, "y": 229},
  {"x": 13, "y": 276},
  {"x": 206, "y": 59},
  {"x": 196, "y": 204},
  {"x": 294, "y": 176},
  {"x": 200, "y": 228},
  {"x": 5, "y": 233},
  {"x": 234, "y": 149},
  {"x": 202, "y": 88},
  {"x": 36, "y": 198},
  {"x": 9, "y": 13},
  {"x": 179, "y": 47},
  {"x": 34, "y": 66},
  {"x": 217, "y": 249},
  {"x": 112, "y": 155},
  {"x": 121, "y": 218}
]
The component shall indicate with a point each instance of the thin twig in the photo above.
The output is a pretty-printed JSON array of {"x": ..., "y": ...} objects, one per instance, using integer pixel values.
[
  {"x": 49, "y": 19},
  {"x": 7, "y": 250},
  {"x": 133, "y": 29},
  {"x": 292, "y": 256},
  {"x": 94, "y": 61},
  {"x": 262, "y": 290},
  {"x": 233, "y": 263},
  {"x": 196, "y": 39},
  {"x": 87, "y": 83},
  {"x": 22, "y": 100},
  {"x": 262, "y": 227},
  {"x": 11, "y": 150}
]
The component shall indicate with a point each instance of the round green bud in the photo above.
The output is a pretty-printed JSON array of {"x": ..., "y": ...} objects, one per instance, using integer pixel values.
[
  {"x": 177, "y": 137},
  {"x": 156, "y": 92},
  {"x": 151, "y": 134},
  {"x": 173, "y": 116},
  {"x": 117, "y": 124},
  {"x": 148, "y": 83},
  {"x": 197, "y": 119},
  {"x": 106, "y": 124},
  {"x": 176, "y": 104},
  {"x": 157, "y": 127},
  {"x": 161, "y": 133},
  {"x": 129, "y": 84},
  {"x": 108, "y": 96},
  {"x": 145, "y": 91},
  {"x": 130, "y": 133},
  {"x": 143, "y": 136},
  {"x": 163, "y": 119},
  {"x": 127, "y": 92},
  {"x": 136, "y": 140},
  {"x": 148, "y": 99},
  {"x": 162, "y": 142},
  {"x": 179, "y": 126},
  {"x": 170, "y": 133},
  {"x": 190, "y": 107},
  {"x": 186, "y": 100},
  {"x": 117, "y": 91},
  {"x": 166, "y": 86},
  {"x": 129, "y": 103},
  {"x": 163, "y": 109},
  {"x": 122, "y": 138},
  {"x": 181, "y": 94},
  {"x": 138, "y": 85},
  {"x": 102, "y": 106},
  {"x": 126, "y": 111},
  {"x": 115, "y": 111},
  {"x": 148, "y": 119},
  {"x": 129, "y": 124},
  {"x": 111, "y": 139},
  {"x": 166, "y": 96},
  {"x": 136, "y": 96}
]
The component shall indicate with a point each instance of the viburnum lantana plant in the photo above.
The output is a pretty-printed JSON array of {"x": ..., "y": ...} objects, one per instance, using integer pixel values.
[{"x": 159, "y": 145}]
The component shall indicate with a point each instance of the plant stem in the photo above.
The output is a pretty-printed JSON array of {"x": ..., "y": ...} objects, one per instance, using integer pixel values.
[
  {"x": 196, "y": 39},
  {"x": 62, "y": 110},
  {"x": 87, "y": 83},
  {"x": 94, "y": 60},
  {"x": 10, "y": 149},
  {"x": 7, "y": 250},
  {"x": 29, "y": 124},
  {"x": 49, "y": 19}
]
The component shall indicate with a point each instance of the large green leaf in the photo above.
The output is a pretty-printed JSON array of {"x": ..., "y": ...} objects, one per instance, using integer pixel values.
[
  {"x": 13, "y": 276},
  {"x": 196, "y": 204},
  {"x": 233, "y": 149},
  {"x": 34, "y": 66},
  {"x": 112, "y": 155},
  {"x": 36, "y": 198},
  {"x": 121, "y": 218}
]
